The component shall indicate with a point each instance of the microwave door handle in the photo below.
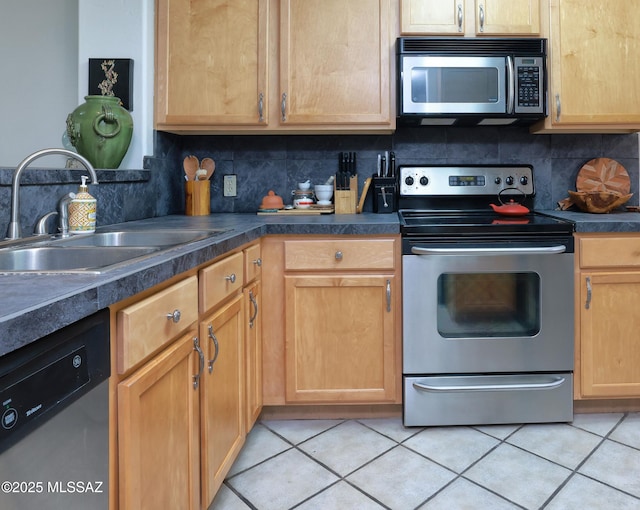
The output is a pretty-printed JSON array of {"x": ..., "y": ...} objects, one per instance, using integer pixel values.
[
  {"x": 551, "y": 250},
  {"x": 511, "y": 85}
]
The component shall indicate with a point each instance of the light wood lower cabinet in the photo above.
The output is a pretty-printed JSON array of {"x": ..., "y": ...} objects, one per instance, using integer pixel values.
[
  {"x": 331, "y": 328},
  {"x": 253, "y": 351},
  {"x": 222, "y": 396},
  {"x": 340, "y": 338},
  {"x": 158, "y": 440},
  {"x": 608, "y": 325}
]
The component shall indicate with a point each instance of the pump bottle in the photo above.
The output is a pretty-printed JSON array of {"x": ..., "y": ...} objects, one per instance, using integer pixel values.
[{"x": 82, "y": 211}]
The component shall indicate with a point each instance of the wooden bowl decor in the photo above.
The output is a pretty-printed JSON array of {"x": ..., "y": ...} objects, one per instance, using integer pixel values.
[
  {"x": 598, "y": 202},
  {"x": 602, "y": 185}
]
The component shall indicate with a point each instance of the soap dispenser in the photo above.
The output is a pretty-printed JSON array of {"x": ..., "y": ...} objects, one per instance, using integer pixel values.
[{"x": 82, "y": 211}]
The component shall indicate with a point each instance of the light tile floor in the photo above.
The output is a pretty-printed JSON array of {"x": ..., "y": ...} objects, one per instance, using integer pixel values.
[{"x": 373, "y": 464}]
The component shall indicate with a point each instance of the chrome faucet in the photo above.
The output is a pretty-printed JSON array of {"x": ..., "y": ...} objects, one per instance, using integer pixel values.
[{"x": 14, "y": 230}]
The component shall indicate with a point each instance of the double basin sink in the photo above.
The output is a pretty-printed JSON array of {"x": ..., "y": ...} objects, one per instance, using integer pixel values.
[{"x": 93, "y": 253}]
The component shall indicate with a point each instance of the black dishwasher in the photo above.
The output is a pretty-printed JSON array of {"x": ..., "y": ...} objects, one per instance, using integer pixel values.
[{"x": 54, "y": 428}]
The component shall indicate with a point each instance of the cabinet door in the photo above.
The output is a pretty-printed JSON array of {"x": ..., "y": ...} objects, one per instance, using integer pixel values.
[
  {"x": 609, "y": 326},
  {"x": 211, "y": 62},
  {"x": 340, "y": 345},
  {"x": 595, "y": 78},
  {"x": 253, "y": 351},
  {"x": 158, "y": 431},
  {"x": 508, "y": 17},
  {"x": 222, "y": 404},
  {"x": 334, "y": 62},
  {"x": 432, "y": 17}
]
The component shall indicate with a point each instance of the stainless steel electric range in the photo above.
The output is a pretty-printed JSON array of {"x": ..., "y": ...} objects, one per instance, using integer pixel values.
[{"x": 487, "y": 299}]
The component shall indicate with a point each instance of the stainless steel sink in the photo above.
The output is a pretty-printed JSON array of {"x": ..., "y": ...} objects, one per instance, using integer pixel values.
[
  {"x": 94, "y": 253},
  {"x": 67, "y": 259},
  {"x": 156, "y": 237}
]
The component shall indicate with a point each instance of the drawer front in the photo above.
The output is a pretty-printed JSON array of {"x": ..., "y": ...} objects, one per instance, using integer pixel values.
[
  {"x": 220, "y": 280},
  {"x": 146, "y": 326},
  {"x": 339, "y": 254},
  {"x": 610, "y": 252},
  {"x": 252, "y": 263}
]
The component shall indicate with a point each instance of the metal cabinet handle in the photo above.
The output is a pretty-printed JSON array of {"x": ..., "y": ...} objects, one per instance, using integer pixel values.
[
  {"x": 388, "y": 295},
  {"x": 216, "y": 347},
  {"x": 283, "y": 107},
  {"x": 175, "y": 316},
  {"x": 252, "y": 319},
  {"x": 258, "y": 262},
  {"x": 196, "y": 347},
  {"x": 459, "y": 17},
  {"x": 558, "y": 107},
  {"x": 587, "y": 303},
  {"x": 481, "y": 18},
  {"x": 261, "y": 107},
  {"x": 231, "y": 278},
  {"x": 338, "y": 255}
]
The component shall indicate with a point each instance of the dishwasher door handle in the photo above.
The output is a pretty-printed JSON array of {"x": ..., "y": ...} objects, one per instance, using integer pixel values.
[{"x": 549, "y": 250}]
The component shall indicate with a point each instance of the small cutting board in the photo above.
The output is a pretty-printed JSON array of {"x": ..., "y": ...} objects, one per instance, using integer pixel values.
[{"x": 603, "y": 174}]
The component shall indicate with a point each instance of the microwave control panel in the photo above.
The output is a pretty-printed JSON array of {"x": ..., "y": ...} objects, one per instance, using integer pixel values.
[{"x": 528, "y": 84}]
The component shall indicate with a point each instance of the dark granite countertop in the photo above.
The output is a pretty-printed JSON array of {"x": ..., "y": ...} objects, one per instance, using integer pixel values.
[{"x": 34, "y": 305}]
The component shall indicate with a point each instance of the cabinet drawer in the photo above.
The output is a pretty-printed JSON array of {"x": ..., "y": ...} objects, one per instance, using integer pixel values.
[
  {"x": 220, "y": 280},
  {"x": 252, "y": 263},
  {"x": 339, "y": 254},
  {"x": 610, "y": 252},
  {"x": 146, "y": 326}
]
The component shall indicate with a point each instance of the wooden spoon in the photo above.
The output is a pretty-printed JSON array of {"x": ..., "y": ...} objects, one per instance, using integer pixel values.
[
  {"x": 209, "y": 165},
  {"x": 191, "y": 166}
]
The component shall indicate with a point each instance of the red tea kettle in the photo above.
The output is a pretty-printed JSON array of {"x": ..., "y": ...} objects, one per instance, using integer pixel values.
[{"x": 511, "y": 208}]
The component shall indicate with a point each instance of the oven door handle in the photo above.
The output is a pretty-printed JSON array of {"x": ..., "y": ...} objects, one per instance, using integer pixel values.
[
  {"x": 550, "y": 250},
  {"x": 539, "y": 383}
]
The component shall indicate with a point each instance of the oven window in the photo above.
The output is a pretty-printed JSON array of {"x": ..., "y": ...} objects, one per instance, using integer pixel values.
[{"x": 481, "y": 305}]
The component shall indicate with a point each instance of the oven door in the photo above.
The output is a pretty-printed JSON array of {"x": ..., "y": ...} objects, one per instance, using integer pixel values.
[{"x": 487, "y": 310}]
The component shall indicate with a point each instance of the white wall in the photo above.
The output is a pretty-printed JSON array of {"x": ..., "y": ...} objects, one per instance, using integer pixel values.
[
  {"x": 44, "y": 51},
  {"x": 38, "y": 75}
]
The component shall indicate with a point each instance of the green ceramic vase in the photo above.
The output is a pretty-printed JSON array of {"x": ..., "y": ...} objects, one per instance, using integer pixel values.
[{"x": 100, "y": 129}]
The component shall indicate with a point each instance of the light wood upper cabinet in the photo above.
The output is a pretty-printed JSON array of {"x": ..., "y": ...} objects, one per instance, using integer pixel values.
[
  {"x": 594, "y": 76},
  {"x": 607, "y": 290},
  {"x": 288, "y": 65},
  {"x": 470, "y": 17},
  {"x": 211, "y": 62},
  {"x": 335, "y": 62}
]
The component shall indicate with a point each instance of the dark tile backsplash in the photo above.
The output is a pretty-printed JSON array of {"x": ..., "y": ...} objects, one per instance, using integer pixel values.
[{"x": 278, "y": 162}]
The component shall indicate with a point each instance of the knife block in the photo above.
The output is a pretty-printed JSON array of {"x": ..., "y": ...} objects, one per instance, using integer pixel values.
[
  {"x": 384, "y": 202},
  {"x": 346, "y": 200},
  {"x": 197, "y": 198}
]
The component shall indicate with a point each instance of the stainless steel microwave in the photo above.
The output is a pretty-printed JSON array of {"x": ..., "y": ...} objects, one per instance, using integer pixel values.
[{"x": 447, "y": 80}]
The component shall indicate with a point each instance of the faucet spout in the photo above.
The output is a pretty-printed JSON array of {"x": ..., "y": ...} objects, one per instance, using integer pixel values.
[{"x": 13, "y": 230}]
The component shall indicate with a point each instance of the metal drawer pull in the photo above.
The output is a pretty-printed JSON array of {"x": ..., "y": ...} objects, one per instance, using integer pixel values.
[
  {"x": 258, "y": 262},
  {"x": 481, "y": 18},
  {"x": 196, "y": 347},
  {"x": 558, "y": 108},
  {"x": 252, "y": 298},
  {"x": 231, "y": 278},
  {"x": 338, "y": 255},
  {"x": 175, "y": 316},
  {"x": 459, "y": 17},
  {"x": 541, "y": 384},
  {"x": 551, "y": 250},
  {"x": 388, "y": 295},
  {"x": 216, "y": 347},
  {"x": 587, "y": 303},
  {"x": 261, "y": 107},
  {"x": 283, "y": 107}
]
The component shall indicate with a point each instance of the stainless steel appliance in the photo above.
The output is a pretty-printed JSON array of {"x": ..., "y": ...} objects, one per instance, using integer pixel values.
[
  {"x": 443, "y": 81},
  {"x": 487, "y": 300},
  {"x": 54, "y": 434}
]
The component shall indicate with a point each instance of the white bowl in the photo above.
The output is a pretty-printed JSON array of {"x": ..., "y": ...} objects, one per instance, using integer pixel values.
[
  {"x": 304, "y": 186},
  {"x": 323, "y": 192}
]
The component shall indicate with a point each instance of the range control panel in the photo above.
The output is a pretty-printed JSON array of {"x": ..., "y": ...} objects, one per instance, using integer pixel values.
[{"x": 417, "y": 180}]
